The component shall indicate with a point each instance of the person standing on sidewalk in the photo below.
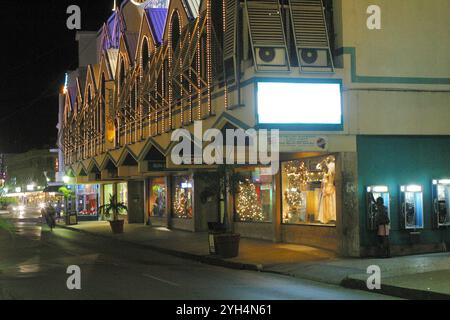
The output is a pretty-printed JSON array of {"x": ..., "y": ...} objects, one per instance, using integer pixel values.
[
  {"x": 383, "y": 224},
  {"x": 49, "y": 213}
]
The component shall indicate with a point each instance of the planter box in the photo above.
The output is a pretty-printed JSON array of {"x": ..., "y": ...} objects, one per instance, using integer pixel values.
[
  {"x": 117, "y": 226},
  {"x": 227, "y": 245}
]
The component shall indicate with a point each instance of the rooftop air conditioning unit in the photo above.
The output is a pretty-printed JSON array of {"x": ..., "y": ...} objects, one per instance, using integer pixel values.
[
  {"x": 314, "y": 58},
  {"x": 270, "y": 57}
]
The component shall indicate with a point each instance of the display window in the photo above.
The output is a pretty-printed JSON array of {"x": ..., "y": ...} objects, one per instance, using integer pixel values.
[
  {"x": 309, "y": 191},
  {"x": 441, "y": 202},
  {"x": 87, "y": 200},
  {"x": 122, "y": 193},
  {"x": 254, "y": 196},
  {"x": 158, "y": 198},
  {"x": 108, "y": 191},
  {"x": 183, "y": 197}
]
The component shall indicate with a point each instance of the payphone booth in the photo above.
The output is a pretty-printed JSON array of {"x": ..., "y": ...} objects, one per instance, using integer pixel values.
[
  {"x": 411, "y": 199},
  {"x": 373, "y": 193},
  {"x": 441, "y": 202}
]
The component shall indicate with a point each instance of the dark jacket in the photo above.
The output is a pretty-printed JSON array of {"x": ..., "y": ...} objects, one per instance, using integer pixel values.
[{"x": 382, "y": 216}]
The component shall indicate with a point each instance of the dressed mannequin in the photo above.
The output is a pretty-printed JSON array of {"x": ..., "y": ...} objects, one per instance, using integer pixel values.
[{"x": 327, "y": 206}]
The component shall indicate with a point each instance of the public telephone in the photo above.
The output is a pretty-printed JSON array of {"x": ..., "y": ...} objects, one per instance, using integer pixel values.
[
  {"x": 441, "y": 202},
  {"x": 373, "y": 193},
  {"x": 411, "y": 199}
]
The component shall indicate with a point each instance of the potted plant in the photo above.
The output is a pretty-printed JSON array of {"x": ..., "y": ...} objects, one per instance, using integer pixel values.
[{"x": 113, "y": 208}]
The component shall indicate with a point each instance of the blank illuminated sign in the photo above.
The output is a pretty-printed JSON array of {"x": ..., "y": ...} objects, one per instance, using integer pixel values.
[{"x": 299, "y": 103}]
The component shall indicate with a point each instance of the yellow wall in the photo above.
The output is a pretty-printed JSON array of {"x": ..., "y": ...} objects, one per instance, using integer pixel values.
[{"x": 414, "y": 40}]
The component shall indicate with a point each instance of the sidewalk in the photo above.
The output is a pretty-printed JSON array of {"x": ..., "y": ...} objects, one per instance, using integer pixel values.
[{"x": 411, "y": 277}]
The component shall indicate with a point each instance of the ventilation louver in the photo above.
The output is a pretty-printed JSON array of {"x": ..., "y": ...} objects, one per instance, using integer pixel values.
[
  {"x": 230, "y": 37},
  {"x": 267, "y": 35},
  {"x": 311, "y": 36}
]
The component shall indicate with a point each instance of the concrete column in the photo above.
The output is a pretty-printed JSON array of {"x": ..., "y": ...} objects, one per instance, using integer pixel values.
[{"x": 348, "y": 222}]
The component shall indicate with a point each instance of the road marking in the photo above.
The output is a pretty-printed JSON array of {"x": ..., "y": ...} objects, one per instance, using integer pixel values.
[{"x": 161, "y": 280}]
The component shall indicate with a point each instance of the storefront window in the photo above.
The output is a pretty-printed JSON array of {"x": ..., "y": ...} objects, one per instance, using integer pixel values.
[
  {"x": 107, "y": 193},
  {"x": 87, "y": 200},
  {"x": 183, "y": 197},
  {"x": 309, "y": 191},
  {"x": 122, "y": 193},
  {"x": 254, "y": 197},
  {"x": 158, "y": 196}
]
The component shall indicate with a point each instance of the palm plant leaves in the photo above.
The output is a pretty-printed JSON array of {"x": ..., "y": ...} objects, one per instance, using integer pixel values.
[{"x": 113, "y": 207}]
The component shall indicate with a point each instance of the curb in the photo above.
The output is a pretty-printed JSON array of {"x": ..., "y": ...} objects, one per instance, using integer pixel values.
[
  {"x": 404, "y": 293},
  {"x": 211, "y": 260}
]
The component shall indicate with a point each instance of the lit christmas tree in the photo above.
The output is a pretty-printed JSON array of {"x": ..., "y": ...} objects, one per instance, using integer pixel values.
[
  {"x": 247, "y": 204},
  {"x": 298, "y": 177},
  {"x": 180, "y": 203}
]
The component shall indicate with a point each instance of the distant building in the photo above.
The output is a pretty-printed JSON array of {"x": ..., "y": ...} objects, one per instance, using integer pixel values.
[
  {"x": 30, "y": 171},
  {"x": 2, "y": 171}
]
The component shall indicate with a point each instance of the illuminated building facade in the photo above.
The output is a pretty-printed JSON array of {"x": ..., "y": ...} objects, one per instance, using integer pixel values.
[{"x": 359, "y": 109}]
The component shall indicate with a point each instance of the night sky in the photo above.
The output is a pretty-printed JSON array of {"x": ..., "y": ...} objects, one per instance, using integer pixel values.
[{"x": 36, "y": 50}]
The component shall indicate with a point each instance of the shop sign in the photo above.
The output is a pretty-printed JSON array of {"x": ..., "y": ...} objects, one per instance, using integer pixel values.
[
  {"x": 157, "y": 165},
  {"x": 302, "y": 143}
]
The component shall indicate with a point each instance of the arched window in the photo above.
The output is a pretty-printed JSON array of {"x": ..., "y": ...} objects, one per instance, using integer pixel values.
[
  {"x": 89, "y": 99},
  {"x": 103, "y": 103},
  {"x": 145, "y": 54},
  {"x": 122, "y": 73},
  {"x": 175, "y": 28},
  {"x": 175, "y": 36},
  {"x": 77, "y": 105}
]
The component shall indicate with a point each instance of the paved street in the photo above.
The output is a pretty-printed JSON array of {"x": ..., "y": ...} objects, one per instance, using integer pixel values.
[{"x": 33, "y": 265}]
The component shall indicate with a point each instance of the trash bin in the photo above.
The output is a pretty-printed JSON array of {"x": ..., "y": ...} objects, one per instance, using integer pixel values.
[
  {"x": 71, "y": 218},
  {"x": 227, "y": 244}
]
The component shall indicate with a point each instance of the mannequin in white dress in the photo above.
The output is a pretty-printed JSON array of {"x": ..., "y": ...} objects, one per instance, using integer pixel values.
[{"x": 327, "y": 206}]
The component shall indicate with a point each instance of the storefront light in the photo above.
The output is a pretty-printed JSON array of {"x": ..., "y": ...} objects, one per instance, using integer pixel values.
[
  {"x": 381, "y": 189},
  {"x": 444, "y": 181},
  {"x": 66, "y": 179},
  {"x": 186, "y": 185},
  {"x": 18, "y": 190},
  {"x": 30, "y": 187},
  {"x": 411, "y": 188},
  {"x": 378, "y": 189}
]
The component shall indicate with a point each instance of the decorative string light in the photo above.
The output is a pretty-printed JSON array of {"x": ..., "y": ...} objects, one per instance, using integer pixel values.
[
  {"x": 199, "y": 81},
  {"x": 130, "y": 118},
  {"x": 224, "y": 27},
  {"x": 170, "y": 67},
  {"x": 190, "y": 87},
  {"x": 248, "y": 206},
  {"x": 209, "y": 53}
]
